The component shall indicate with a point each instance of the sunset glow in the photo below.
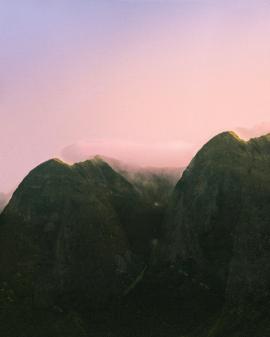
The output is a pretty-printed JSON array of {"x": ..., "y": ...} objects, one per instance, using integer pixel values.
[{"x": 147, "y": 81}]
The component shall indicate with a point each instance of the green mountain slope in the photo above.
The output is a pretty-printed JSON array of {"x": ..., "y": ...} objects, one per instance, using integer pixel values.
[
  {"x": 218, "y": 231},
  {"x": 65, "y": 234},
  {"x": 84, "y": 250}
]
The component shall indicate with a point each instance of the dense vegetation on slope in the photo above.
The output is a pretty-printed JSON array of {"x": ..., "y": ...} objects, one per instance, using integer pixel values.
[
  {"x": 66, "y": 232},
  {"x": 155, "y": 184},
  {"x": 84, "y": 250},
  {"x": 218, "y": 229},
  {"x": 73, "y": 238}
]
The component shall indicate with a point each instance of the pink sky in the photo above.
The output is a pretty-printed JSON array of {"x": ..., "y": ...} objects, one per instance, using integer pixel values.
[{"x": 146, "y": 81}]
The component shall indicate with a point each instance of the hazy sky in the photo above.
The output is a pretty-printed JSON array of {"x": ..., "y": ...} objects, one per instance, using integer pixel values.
[{"x": 144, "y": 80}]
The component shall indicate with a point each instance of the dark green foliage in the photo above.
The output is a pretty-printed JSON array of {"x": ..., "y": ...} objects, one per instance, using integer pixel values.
[
  {"x": 86, "y": 252},
  {"x": 218, "y": 227},
  {"x": 73, "y": 240},
  {"x": 66, "y": 233},
  {"x": 154, "y": 184}
]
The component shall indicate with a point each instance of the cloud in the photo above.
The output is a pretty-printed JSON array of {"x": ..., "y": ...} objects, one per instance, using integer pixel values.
[
  {"x": 175, "y": 153},
  {"x": 256, "y": 131}
]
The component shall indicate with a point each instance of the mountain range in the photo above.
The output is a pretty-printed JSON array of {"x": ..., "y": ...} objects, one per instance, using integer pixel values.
[{"x": 100, "y": 248}]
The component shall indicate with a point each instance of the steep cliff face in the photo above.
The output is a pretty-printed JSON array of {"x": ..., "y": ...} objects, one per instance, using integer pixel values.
[
  {"x": 218, "y": 224},
  {"x": 66, "y": 234}
]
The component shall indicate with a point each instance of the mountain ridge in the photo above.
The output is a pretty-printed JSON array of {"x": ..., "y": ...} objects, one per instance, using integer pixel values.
[
  {"x": 217, "y": 227},
  {"x": 78, "y": 237}
]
